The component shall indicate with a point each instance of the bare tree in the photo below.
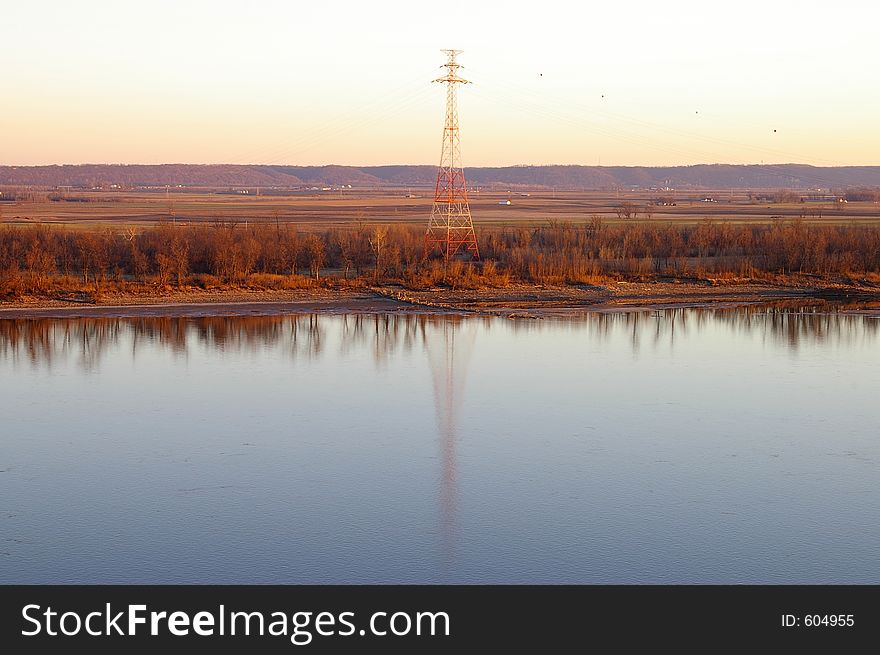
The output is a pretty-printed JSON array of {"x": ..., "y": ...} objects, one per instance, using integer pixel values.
[
  {"x": 180, "y": 258},
  {"x": 346, "y": 242},
  {"x": 627, "y": 210},
  {"x": 315, "y": 253},
  {"x": 40, "y": 265},
  {"x": 377, "y": 244},
  {"x": 164, "y": 268}
]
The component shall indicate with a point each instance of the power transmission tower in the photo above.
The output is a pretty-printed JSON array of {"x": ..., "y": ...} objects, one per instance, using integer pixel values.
[{"x": 450, "y": 228}]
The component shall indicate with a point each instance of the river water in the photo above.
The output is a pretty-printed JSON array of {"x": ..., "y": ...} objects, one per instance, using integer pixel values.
[{"x": 677, "y": 446}]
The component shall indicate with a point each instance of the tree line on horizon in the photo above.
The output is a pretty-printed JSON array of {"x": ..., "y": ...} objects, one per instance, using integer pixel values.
[{"x": 44, "y": 260}]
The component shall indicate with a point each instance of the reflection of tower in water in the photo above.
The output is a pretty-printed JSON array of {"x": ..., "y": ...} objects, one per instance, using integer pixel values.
[{"x": 449, "y": 343}]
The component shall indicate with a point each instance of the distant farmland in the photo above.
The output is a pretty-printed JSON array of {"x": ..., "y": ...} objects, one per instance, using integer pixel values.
[{"x": 413, "y": 205}]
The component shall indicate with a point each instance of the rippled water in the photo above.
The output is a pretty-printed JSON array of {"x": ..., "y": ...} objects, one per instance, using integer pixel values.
[{"x": 673, "y": 446}]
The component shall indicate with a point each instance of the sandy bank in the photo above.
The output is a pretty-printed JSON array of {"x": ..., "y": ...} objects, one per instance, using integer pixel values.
[{"x": 510, "y": 301}]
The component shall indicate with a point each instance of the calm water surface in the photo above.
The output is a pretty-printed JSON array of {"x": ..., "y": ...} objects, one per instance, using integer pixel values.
[{"x": 707, "y": 446}]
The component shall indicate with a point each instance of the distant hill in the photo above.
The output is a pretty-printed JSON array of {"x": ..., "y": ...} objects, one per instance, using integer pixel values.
[
  {"x": 130, "y": 175},
  {"x": 714, "y": 176}
]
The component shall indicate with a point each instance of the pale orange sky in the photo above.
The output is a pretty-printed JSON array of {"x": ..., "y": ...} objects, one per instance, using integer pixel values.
[{"x": 639, "y": 83}]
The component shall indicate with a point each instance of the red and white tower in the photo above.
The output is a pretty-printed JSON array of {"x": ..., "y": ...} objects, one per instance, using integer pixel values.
[{"x": 450, "y": 228}]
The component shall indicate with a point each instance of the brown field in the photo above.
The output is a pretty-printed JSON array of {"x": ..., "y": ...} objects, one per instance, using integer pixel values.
[{"x": 333, "y": 208}]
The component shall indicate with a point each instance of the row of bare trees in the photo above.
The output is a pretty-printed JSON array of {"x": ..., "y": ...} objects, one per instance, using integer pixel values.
[
  {"x": 37, "y": 259},
  {"x": 565, "y": 253}
]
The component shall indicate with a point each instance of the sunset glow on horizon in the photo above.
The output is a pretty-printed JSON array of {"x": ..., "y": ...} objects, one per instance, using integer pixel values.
[{"x": 350, "y": 83}]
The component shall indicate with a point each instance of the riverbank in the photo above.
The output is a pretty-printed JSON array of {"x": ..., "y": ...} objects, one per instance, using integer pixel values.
[{"x": 511, "y": 300}]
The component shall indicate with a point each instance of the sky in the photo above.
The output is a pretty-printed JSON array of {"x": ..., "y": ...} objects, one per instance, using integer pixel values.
[{"x": 554, "y": 82}]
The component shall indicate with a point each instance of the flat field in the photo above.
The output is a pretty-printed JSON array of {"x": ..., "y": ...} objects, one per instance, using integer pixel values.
[{"x": 413, "y": 206}]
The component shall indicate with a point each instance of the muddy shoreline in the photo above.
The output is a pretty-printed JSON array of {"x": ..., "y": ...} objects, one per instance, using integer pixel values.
[{"x": 512, "y": 301}]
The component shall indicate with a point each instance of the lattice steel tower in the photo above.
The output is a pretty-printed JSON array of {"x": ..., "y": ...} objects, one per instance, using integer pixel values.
[{"x": 450, "y": 228}]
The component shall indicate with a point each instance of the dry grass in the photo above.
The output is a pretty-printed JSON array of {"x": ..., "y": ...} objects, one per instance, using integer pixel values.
[{"x": 51, "y": 261}]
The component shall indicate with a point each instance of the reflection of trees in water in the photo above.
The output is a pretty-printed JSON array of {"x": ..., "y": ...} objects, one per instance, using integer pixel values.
[
  {"x": 787, "y": 324},
  {"x": 42, "y": 342},
  {"x": 385, "y": 335},
  {"x": 796, "y": 326}
]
